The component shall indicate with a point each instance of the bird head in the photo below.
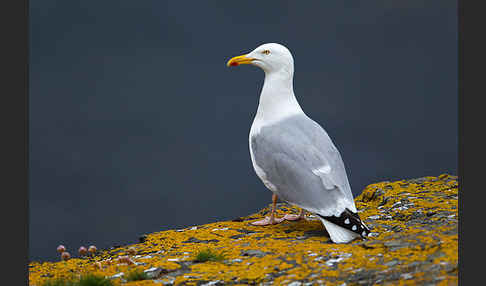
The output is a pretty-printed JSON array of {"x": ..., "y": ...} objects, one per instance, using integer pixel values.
[{"x": 269, "y": 57}]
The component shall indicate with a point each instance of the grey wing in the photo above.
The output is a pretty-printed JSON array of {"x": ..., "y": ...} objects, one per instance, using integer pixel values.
[
  {"x": 299, "y": 158},
  {"x": 337, "y": 173}
]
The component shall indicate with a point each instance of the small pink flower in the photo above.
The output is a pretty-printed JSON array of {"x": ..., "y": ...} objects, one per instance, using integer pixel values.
[
  {"x": 82, "y": 251},
  {"x": 132, "y": 250},
  {"x": 92, "y": 249},
  {"x": 125, "y": 259},
  {"x": 65, "y": 256},
  {"x": 61, "y": 248}
]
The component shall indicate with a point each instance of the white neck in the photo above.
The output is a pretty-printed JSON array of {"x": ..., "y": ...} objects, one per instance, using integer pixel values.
[{"x": 277, "y": 99}]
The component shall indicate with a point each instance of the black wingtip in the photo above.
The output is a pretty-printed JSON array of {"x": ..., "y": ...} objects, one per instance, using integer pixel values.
[{"x": 350, "y": 221}]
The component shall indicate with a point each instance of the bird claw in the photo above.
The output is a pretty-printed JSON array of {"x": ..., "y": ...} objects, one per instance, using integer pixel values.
[
  {"x": 292, "y": 217},
  {"x": 267, "y": 221}
]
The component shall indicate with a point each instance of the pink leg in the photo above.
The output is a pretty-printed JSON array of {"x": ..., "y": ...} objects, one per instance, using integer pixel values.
[
  {"x": 271, "y": 219},
  {"x": 293, "y": 217}
]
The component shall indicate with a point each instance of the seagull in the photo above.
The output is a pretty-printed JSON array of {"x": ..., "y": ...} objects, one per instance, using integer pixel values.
[{"x": 293, "y": 155}]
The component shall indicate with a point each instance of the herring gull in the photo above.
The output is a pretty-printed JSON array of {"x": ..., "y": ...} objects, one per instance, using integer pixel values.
[{"x": 293, "y": 155}]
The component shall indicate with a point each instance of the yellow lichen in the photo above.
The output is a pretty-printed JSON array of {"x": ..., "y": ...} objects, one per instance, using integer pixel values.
[{"x": 286, "y": 252}]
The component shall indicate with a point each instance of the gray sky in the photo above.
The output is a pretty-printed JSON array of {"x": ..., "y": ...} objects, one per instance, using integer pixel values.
[{"x": 137, "y": 125}]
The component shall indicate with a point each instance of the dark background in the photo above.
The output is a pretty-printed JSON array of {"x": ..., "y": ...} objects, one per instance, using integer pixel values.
[{"x": 137, "y": 125}]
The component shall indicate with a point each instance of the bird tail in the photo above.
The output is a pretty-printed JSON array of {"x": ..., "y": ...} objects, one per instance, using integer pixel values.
[
  {"x": 345, "y": 227},
  {"x": 338, "y": 234}
]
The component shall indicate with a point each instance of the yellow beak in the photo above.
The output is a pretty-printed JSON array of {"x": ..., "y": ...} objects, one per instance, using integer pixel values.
[{"x": 239, "y": 60}]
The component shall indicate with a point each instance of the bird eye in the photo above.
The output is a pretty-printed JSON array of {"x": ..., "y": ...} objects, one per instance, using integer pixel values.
[{"x": 266, "y": 52}]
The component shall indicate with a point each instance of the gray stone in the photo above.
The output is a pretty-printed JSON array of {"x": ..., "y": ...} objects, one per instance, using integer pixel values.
[
  {"x": 406, "y": 276},
  {"x": 211, "y": 283},
  {"x": 118, "y": 275},
  {"x": 332, "y": 261},
  {"x": 253, "y": 253},
  {"x": 392, "y": 263},
  {"x": 195, "y": 240},
  {"x": 154, "y": 272},
  {"x": 169, "y": 280}
]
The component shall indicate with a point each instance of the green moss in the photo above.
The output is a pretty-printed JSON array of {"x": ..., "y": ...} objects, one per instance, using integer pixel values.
[
  {"x": 88, "y": 280},
  {"x": 58, "y": 282},
  {"x": 136, "y": 275},
  {"x": 94, "y": 280},
  {"x": 209, "y": 255}
]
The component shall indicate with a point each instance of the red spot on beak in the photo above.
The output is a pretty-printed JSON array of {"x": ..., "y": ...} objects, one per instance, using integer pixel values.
[{"x": 233, "y": 64}]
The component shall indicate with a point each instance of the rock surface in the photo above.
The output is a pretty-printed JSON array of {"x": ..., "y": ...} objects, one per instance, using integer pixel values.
[{"x": 413, "y": 242}]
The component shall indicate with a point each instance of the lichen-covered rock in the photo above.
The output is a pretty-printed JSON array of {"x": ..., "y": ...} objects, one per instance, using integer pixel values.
[{"x": 413, "y": 242}]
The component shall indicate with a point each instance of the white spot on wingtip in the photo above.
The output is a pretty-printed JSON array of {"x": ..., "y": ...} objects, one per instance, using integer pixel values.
[
  {"x": 354, "y": 227},
  {"x": 346, "y": 221}
]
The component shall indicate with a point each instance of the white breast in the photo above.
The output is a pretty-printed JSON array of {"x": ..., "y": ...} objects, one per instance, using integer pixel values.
[
  {"x": 277, "y": 102},
  {"x": 255, "y": 128}
]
